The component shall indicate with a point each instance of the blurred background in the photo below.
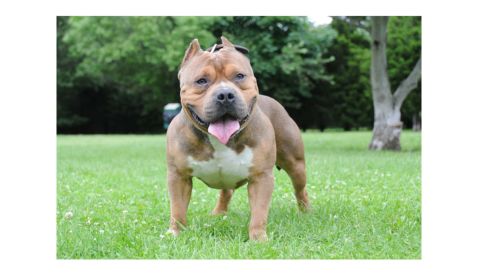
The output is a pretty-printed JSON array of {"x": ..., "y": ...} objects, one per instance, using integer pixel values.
[{"x": 116, "y": 74}]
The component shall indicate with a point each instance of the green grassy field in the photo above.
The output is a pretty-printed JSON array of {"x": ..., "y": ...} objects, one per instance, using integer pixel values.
[{"x": 112, "y": 203}]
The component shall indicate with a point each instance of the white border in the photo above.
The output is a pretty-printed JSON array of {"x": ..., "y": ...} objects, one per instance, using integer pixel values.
[{"x": 450, "y": 144}]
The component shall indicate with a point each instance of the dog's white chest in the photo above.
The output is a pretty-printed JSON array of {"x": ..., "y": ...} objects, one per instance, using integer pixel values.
[{"x": 226, "y": 169}]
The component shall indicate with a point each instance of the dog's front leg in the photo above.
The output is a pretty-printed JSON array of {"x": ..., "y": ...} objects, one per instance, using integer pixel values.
[
  {"x": 179, "y": 190},
  {"x": 260, "y": 190}
]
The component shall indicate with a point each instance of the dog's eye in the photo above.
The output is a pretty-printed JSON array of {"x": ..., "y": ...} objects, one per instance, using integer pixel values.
[
  {"x": 240, "y": 76},
  {"x": 201, "y": 81}
]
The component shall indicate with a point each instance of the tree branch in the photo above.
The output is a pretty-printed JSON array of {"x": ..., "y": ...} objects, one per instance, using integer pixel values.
[{"x": 407, "y": 85}]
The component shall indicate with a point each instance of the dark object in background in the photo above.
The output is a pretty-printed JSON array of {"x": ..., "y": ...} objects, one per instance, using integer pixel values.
[
  {"x": 122, "y": 88},
  {"x": 169, "y": 112},
  {"x": 417, "y": 121}
]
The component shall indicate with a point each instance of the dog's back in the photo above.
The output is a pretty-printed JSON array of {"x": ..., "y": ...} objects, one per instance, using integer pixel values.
[{"x": 287, "y": 134}]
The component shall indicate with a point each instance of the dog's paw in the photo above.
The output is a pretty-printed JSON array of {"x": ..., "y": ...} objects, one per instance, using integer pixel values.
[
  {"x": 258, "y": 235},
  {"x": 304, "y": 207},
  {"x": 172, "y": 232},
  {"x": 304, "y": 204},
  {"x": 218, "y": 212}
]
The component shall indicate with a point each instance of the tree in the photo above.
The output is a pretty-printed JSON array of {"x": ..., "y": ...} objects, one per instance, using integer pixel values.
[
  {"x": 115, "y": 74},
  {"x": 349, "y": 97},
  {"x": 403, "y": 52},
  {"x": 387, "y": 124}
]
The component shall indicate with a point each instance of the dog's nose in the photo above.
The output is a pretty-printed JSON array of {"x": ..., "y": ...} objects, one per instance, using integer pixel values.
[{"x": 225, "y": 96}]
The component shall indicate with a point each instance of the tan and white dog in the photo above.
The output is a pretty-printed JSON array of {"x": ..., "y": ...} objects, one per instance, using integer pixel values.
[{"x": 227, "y": 135}]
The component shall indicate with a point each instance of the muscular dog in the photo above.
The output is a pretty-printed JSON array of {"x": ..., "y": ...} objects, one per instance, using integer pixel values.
[{"x": 228, "y": 135}]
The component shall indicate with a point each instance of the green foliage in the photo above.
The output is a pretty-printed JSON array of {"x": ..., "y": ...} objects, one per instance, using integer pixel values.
[
  {"x": 403, "y": 51},
  {"x": 365, "y": 205},
  {"x": 111, "y": 47},
  {"x": 350, "y": 95},
  {"x": 288, "y": 54},
  {"x": 349, "y": 99},
  {"x": 126, "y": 68},
  {"x": 67, "y": 116},
  {"x": 115, "y": 74}
]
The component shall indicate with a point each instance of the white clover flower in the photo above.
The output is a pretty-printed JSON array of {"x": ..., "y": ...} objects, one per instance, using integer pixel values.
[{"x": 68, "y": 215}]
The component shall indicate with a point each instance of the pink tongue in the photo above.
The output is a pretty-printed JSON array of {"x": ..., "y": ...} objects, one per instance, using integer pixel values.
[{"x": 223, "y": 129}]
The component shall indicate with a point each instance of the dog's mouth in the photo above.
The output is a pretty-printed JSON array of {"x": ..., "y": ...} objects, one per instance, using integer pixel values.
[
  {"x": 199, "y": 121},
  {"x": 224, "y": 127}
]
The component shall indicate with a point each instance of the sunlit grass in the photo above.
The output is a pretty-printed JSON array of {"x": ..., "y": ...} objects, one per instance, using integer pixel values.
[{"x": 112, "y": 202}]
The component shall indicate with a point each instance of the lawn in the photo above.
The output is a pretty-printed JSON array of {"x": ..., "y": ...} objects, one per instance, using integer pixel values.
[{"x": 112, "y": 203}]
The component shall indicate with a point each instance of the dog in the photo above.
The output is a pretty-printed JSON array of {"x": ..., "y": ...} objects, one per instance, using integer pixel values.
[{"x": 228, "y": 135}]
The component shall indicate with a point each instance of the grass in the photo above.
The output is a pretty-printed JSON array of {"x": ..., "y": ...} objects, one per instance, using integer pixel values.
[{"x": 112, "y": 203}]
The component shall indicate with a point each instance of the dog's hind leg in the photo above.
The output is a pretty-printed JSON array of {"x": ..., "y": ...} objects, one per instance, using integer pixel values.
[
  {"x": 295, "y": 169},
  {"x": 223, "y": 201}
]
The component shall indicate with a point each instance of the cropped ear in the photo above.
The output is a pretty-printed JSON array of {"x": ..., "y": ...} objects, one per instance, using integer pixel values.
[
  {"x": 226, "y": 43},
  {"x": 192, "y": 50},
  {"x": 220, "y": 46}
]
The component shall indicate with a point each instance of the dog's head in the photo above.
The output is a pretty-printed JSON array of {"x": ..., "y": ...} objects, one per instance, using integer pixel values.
[{"x": 218, "y": 89}]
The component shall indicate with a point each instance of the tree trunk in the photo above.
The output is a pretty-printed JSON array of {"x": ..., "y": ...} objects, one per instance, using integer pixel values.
[{"x": 387, "y": 126}]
